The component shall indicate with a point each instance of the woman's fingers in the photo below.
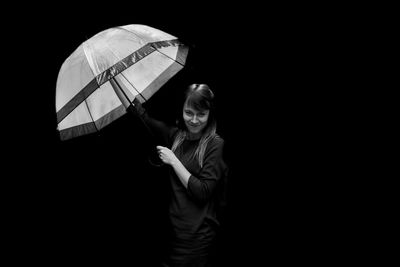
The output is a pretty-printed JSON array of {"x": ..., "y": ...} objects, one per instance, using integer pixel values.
[{"x": 160, "y": 150}]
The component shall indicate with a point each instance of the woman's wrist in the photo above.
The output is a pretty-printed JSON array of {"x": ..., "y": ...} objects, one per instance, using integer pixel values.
[{"x": 175, "y": 162}]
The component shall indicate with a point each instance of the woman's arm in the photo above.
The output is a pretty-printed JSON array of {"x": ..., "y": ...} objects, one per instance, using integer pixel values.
[
  {"x": 202, "y": 186},
  {"x": 157, "y": 128},
  {"x": 168, "y": 157}
]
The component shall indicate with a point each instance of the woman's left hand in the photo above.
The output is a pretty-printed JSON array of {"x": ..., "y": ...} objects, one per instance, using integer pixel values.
[{"x": 166, "y": 155}]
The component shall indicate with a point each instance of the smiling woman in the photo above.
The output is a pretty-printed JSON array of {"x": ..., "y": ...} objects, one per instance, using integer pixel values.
[
  {"x": 193, "y": 153},
  {"x": 198, "y": 119}
]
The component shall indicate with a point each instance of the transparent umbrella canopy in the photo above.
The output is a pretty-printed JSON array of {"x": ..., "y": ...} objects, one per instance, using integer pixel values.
[{"x": 101, "y": 78}]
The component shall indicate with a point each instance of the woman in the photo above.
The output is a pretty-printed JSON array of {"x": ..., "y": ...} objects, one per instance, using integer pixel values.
[{"x": 194, "y": 153}]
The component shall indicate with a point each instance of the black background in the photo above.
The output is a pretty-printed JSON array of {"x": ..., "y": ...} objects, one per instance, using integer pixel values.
[{"x": 275, "y": 73}]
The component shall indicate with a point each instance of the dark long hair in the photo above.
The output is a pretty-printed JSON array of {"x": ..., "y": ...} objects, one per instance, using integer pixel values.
[{"x": 200, "y": 97}]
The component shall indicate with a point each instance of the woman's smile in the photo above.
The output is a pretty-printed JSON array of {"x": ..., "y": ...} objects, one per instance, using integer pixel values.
[{"x": 195, "y": 120}]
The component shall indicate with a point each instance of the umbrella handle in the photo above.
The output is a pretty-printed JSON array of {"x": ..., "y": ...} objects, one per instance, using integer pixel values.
[
  {"x": 154, "y": 160},
  {"x": 156, "y": 164}
]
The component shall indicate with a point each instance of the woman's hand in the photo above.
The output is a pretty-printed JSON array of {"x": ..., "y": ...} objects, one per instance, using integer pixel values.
[
  {"x": 166, "y": 155},
  {"x": 136, "y": 108}
]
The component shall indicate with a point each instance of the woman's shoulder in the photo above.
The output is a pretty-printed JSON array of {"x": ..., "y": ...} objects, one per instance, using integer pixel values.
[
  {"x": 217, "y": 141},
  {"x": 216, "y": 147}
]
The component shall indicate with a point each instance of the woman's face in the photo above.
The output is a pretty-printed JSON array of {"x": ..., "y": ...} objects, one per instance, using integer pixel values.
[{"x": 195, "y": 120}]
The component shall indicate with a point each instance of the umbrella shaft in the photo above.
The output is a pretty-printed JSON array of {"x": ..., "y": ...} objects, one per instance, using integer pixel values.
[
  {"x": 125, "y": 101},
  {"x": 120, "y": 93}
]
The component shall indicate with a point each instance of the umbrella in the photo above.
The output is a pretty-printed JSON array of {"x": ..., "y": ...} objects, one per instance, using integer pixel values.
[{"x": 101, "y": 78}]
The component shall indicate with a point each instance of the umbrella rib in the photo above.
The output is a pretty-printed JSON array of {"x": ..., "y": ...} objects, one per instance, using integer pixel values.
[
  {"x": 134, "y": 33},
  {"x": 84, "y": 45},
  {"x": 139, "y": 93},
  {"x": 87, "y": 61},
  {"x": 166, "y": 55},
  {"x": 115, "y": 55},
  {"x": 90, "y": 114},
  {"x": 125, "y": 77},
  {"x": 131, "y": 106}
]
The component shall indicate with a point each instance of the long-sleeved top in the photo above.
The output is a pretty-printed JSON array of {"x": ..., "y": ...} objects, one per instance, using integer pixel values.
[{"x": 193, "y": 209}]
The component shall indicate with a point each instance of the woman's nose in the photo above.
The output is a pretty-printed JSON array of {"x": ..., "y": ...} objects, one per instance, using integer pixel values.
[{"x": 195, "y": 119}]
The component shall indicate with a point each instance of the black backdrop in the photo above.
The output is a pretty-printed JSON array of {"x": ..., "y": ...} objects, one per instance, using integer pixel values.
[{"x": 97, "y": 197}]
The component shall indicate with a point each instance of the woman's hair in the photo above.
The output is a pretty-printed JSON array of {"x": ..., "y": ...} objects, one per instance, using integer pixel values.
[{"x": 199, "y": 97}]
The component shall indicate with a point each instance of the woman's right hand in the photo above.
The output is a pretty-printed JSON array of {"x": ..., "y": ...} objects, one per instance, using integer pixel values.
[{"x": 137, "y": 107}]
